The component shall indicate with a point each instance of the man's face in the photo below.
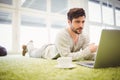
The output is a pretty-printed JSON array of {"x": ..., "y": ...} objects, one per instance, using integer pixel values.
[{"x": 77, "y": 24}]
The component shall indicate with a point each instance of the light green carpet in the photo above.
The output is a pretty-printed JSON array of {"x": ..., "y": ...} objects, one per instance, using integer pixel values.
[{"x": 25, "y": 68}]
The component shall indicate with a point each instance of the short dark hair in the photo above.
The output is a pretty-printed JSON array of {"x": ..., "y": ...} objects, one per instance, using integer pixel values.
[{"x": 75, "y": 13}]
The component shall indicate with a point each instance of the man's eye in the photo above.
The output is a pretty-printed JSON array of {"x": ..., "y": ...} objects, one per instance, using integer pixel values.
[{"x": 83, "y": 21}]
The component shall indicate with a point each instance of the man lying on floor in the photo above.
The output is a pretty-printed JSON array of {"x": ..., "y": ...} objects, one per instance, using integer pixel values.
[{"x": 70, "y": 42}]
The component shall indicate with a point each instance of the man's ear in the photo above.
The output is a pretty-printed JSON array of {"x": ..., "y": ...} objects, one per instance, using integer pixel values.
[{"x": 69, "y": 22}]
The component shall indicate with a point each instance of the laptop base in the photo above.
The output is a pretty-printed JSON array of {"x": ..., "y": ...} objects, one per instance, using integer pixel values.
[{"x": 89, "y": 64}]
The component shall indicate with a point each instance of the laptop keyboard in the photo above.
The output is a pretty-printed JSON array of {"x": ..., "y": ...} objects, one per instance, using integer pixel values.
[
  {"x": 89, "y": 63},
  {"x": 84, "y": 63}
]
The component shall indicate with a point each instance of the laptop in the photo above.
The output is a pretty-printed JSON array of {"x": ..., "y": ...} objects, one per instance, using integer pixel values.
[{"x": 108, "y": 53}]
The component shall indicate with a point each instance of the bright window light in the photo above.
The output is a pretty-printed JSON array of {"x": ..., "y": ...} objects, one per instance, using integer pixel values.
[
  {"x": 95, "y": 33},
  {"x": 117, "y": 11},
  {"x": 107, "y": 14},
  {"x": 94, "y": 11},
  {"x": 6, "y": 30},
  {"x": 33, "y": 28}
]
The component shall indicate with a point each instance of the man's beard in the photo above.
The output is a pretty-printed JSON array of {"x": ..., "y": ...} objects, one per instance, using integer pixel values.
[{"x": 76, "y": 30}]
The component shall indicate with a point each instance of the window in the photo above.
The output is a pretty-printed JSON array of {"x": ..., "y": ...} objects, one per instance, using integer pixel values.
[
  {"x": 101, "y": 17},
  {"x": 41, "y": 20},
  {"x": 42, "y": 29},
  {"x": 32, "y": 21},
  {"x": 6, "y": 2},
  {"x": 94, "y": 11},
  {"x": 107, "y": 14},
  {"x": 6, "y": 30},
  {"x": 55, "y": 28},
  {"x": 117, "y": 11},
  {"x": 35, "y": 4},
  {"x": 95, "y": 33},
  {"x": 58, "y": 24},
  {"x": 33, "y": 28},
  {"x": 59, "y": 6}
]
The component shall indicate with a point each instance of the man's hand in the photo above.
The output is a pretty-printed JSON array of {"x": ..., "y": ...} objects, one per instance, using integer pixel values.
[{"x": 93, "y": 47}]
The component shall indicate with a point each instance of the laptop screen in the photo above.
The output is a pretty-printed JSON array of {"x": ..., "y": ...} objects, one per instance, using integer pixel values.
[{"x": 108, "y": 54}]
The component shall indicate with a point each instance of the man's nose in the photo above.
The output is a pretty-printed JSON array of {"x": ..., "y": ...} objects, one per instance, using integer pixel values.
[{"x": 81, "y": 25}]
